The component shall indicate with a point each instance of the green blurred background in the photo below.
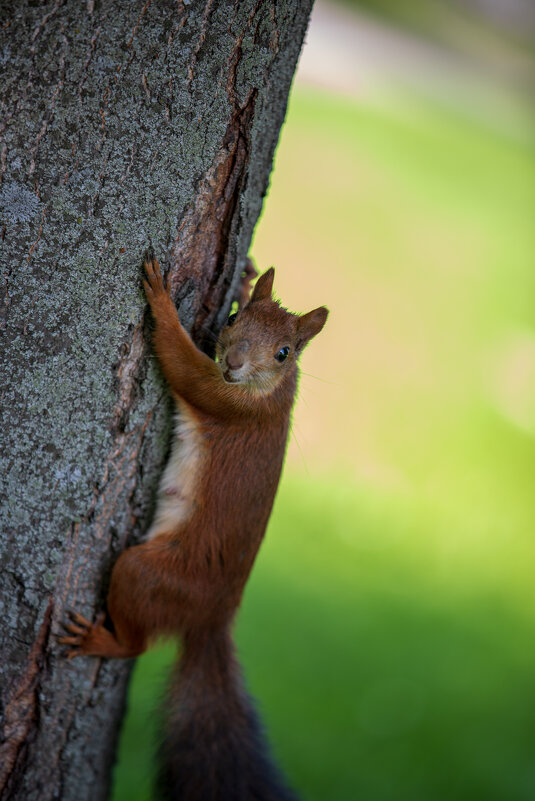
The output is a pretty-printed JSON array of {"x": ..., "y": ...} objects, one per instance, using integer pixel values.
[{"x": 387, "y": 629}]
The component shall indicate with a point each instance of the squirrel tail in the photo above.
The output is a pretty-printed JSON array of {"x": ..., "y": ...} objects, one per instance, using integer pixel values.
[{"x": 214, "y": 748}]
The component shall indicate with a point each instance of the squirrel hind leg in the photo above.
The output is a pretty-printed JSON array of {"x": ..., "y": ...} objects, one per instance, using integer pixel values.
[{"x": 93, "y": 639}]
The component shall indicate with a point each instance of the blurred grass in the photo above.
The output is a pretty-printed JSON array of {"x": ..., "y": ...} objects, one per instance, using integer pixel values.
[{"x": 388, "y": 626}]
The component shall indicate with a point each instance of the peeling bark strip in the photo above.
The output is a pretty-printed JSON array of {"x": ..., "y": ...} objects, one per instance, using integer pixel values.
[
  {"x": 123, "y": 124},
  {"x": 203, "y": 244},
  {"x": 22, "y": 709}
]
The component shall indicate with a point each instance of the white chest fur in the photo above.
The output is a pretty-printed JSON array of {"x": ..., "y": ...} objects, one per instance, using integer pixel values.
[{"x": 176, "y": 493}]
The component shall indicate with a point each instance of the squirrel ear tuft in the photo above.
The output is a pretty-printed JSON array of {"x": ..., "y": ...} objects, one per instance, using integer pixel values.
[
  {"x": 309, "y": 325},
  {"x": 263, "y": 286}
]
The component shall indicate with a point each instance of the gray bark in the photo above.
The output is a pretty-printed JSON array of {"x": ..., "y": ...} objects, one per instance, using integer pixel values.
[{"x": 124, "y": 125}]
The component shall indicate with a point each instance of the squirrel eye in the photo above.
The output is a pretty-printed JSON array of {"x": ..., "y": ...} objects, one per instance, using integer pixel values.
[
  {"x": 282, "y": 353},
  {"x": 232, "y": 319}
]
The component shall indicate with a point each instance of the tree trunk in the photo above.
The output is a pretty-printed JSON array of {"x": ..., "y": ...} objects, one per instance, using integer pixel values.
[{"x": 124, "y": 125}]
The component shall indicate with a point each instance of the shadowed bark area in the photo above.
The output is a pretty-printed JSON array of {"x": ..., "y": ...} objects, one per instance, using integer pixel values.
[{"x": 123, "y": 125}]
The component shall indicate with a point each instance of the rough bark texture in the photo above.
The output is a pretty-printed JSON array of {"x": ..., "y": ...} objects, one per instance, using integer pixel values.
[{"x": 123, "y": 124}]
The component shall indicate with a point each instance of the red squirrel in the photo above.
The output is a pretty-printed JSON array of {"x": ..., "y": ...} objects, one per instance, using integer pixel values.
[{"x": 215, "y": 498}]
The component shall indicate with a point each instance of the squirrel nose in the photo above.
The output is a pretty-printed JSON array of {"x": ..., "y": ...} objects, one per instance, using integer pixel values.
[{"x": 235, "y": 357}]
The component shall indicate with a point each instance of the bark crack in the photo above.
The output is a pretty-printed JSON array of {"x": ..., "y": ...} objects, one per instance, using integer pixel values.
[
  {"x": 127, "y": 374},
  {"x": 206, "y": 15},
  {"x": 138, "y": 23},
  {"x": 37, "y": 30},
  {"x": 51, "y": 109},
  {"x": 22, "y": 709},
  {"x": 203, "y": 239},
  {"x": 39, "y": 234}
]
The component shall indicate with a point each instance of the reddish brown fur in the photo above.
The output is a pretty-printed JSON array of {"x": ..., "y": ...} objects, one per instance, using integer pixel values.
[
  {"x": 193, "y": 576},
  {"x": 188, "y": 578}
]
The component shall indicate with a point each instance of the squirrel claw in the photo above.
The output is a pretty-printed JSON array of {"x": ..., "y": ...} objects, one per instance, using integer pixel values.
[
  {"x": 79, "y": 628},
  {"x": 152, "y": 267},
  {"x": 69, "y": 640},
  {"x": 77, "y": 618},
  {"x": 153, "y": 282},
  {"x": 73, "y": 629}
]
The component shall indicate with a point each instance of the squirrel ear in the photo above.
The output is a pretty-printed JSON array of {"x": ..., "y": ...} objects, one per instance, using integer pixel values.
[
  {"x": 263, "y": 286},
  {"x": 308, "y": 325}
]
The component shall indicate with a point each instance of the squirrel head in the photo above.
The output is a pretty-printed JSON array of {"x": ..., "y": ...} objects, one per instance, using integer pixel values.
[{"x": 260, "y": 344}]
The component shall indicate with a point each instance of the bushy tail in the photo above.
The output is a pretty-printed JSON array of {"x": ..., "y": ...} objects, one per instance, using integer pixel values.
[{"x": 214, "y": 748}]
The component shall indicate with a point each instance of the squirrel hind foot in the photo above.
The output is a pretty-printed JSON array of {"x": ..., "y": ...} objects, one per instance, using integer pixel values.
[{"x": 93, "y": 639}]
